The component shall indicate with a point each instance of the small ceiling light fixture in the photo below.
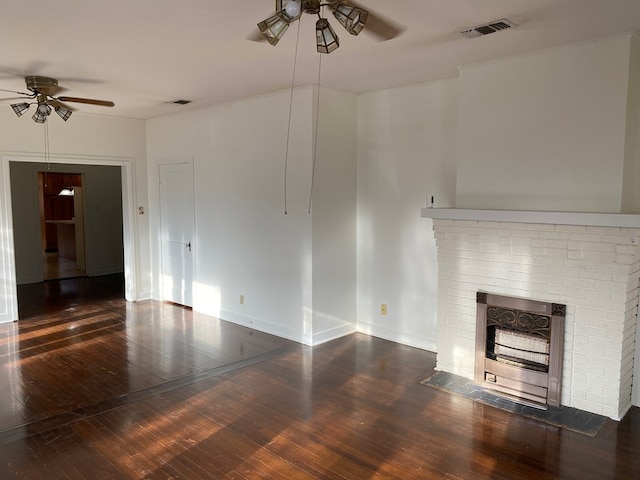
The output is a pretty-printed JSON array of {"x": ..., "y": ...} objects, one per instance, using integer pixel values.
[
  {"x": 273, "y": 28},
  {"x": 42, "y": 112},
  {"x": 353, "y": 19},
  {"x": 326, "y": 39},
  {"x": 67, "y": 192},
  {"x": 20, "y": 108},
  {"x": 63, "y": 113}
]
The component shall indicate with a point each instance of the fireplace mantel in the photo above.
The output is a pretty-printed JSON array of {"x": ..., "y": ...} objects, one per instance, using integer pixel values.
[{"x": 518, "y": 216}]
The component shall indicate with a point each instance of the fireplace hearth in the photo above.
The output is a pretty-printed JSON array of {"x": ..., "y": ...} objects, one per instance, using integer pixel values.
[{"x": 519, "y": 348}]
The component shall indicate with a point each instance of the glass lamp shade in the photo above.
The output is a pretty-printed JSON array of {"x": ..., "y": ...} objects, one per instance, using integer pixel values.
[
  {"x": 273, "y": 28},
  {"x": 20, "y": 108},
  {"x": 326, "y": 39},
  {"x": 63, "y": 113},
  {"x": 67, "y": 192},
  {"x": 42, "y": 112},
  {"x": 353, "y": 19},
  {"x": 293, "y": 11},
  {"x": 39, "y": 118}
]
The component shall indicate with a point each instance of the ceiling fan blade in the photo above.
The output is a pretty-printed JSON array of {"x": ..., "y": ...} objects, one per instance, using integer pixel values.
[
  {"x": 13, "y": 99},
  {"x": 90, "y": 101},
  {"x": 379, "y": 26},
  {"x": 30, "y": 95},
  {"x": 54, "y": 102}
]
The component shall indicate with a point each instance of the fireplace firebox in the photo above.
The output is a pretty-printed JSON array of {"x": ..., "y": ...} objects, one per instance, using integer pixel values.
[{"x": 519, "y": 347}]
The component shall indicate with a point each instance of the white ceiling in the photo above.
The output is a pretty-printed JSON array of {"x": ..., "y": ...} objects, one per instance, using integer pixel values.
[{"x": 144, "y": 53}]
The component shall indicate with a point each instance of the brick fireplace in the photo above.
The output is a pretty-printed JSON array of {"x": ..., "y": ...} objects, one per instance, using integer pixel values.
[{"x": 588, "y": 262}]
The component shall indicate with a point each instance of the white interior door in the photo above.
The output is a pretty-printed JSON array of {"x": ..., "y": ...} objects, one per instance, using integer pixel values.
[{"x": 177, "y": 224}]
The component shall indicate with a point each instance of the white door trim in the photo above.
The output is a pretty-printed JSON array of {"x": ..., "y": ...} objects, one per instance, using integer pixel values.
[{"x": 8, "y": 284}]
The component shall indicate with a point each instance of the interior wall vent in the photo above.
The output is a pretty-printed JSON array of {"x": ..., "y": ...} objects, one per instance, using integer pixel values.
[{"x": 488, "y": 28}]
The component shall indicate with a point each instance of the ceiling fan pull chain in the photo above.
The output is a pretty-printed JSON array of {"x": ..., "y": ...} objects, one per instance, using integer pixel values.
[{"x": 286, "y": 154}]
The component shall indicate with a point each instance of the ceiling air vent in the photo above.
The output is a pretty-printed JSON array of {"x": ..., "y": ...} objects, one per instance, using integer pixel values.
[{"x": 488, "y": 28}]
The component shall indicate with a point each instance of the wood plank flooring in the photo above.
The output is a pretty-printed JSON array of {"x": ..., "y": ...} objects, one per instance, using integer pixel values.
[{"x": 95, "y": 388}]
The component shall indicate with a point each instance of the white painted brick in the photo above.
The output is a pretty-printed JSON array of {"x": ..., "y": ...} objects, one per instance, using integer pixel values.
[
  {"x": 625, "y": 259},
  {"x": 617, "y": 239},
  {"x": 586, "y": 237},
  {"x": 604, "y": 230},
  {"x": 466, "y": 223},
  {"x": 560, "y": 244},
  {"x": 513, "y": 225},
  {"x": 540, "y": 227},
  {"x": 611, "y": 393},
  {"x": 599, "y": 381},
  {"x": 553, "y": 235},
  {"x": 612, "y": 268},
  {"x": 617, "y": 297},
  {"x": 580, "y": 264},
  {"x": 603, "y": 276},
  {"x": 611, "y": 287},
  {"x": 529, "y": 235},
  {"x": 612, "y": 366},
  {"x": 580, "y": 339},
  {"x": 600, "y": 399},
  {"x": 580, "y": 282},
  {"x": 609, "y": 257},
  {"x": 599, "y": 247},
  {"x": 588, "y": 349},
  {"x": 550, "y": 252},
  {"x": 571, "y": 228},
  {"x": 627, "y": 250},
  {"x": 580, "y": 359}
]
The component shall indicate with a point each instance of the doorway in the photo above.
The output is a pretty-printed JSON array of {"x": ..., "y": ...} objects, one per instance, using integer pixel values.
[
  {"x": 10, "y": 248},
  {"x": 62, "y": 237}
]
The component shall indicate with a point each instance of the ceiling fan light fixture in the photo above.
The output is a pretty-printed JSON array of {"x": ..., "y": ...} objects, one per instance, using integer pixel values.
[
  {"x": 353, "y": 19},
  {"x": 38, "y": 118},
  {"x": 20, "y": 108},
  {"x": 273, "y": 28},
  {"x": 63, "y": 113},
  {"x": 42, "y": 112},
  {"x": 293, "y": 8},
  {"x": 44, "y": 109},
  {"x": 326, "y": 39}
]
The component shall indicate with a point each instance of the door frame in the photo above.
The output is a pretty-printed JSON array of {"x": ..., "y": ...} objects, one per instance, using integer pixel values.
[
  {"x": 8, "y": 283},
  {"x": 186, "y": 159}
]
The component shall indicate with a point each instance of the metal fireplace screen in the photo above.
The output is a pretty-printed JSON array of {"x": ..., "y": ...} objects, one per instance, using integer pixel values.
[{"x": 519, "y": 346}]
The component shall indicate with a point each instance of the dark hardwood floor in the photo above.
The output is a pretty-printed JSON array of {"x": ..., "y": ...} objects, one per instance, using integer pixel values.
[{"x": 95, "y": 388}]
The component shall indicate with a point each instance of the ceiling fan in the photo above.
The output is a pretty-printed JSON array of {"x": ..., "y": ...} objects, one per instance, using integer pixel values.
[
  {"x": 351, "y": 16},
  {"x": 43, "y": 94}
]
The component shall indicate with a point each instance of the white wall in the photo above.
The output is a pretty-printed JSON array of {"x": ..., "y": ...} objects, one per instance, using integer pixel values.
[
  {"x": 334, "y": 217},
  {"x": 83, "y": 139},
  {"x": 635, "y": 394},
  {"x": 545, "y": 131},
  {"x": 406, "y": 152},
  {"x": 631, "y": 173},
  {"x": 245, "y": 244}
]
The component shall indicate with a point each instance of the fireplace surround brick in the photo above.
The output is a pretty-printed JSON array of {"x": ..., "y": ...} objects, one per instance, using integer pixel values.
[{"x": 594, "y": 270}]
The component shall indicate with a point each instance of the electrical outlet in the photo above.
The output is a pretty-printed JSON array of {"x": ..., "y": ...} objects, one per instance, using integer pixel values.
[
  {"x": 383, "y": 309},
  {"x": 241, "y": 299}
]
